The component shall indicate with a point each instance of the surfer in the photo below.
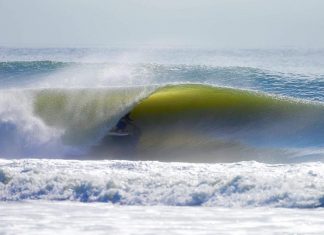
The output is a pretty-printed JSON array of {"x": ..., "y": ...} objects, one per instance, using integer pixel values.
[
  {"x": 121, "y": 126},
  {"x": 123, "y": 123}
]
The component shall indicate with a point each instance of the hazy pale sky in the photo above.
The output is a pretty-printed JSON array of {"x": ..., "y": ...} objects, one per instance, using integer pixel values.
[{"x": 159, "y": 23}]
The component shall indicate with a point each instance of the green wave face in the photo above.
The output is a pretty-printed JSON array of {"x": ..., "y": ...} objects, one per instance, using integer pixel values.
[
  {"x": 187, "y": 101},
  {"x": 182, "y": 121},
  {"x": 203, "y": 119}
]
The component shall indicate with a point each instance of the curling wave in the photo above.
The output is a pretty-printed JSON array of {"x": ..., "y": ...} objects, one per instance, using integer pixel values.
[
  {"x": 73, "y": 109},
  {"x": 181, "y": 122}
]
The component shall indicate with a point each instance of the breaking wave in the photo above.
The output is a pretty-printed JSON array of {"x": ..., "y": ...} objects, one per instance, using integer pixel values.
[
  {"x": 254, "y": 109},
  {"x": 178, "y": 112},
  {"x": 245, "y": 184},
  {"x": 192, "y": 122}
]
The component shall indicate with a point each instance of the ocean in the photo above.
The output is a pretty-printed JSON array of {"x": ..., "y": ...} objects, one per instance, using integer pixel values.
[{"x": 155, "y": 141}]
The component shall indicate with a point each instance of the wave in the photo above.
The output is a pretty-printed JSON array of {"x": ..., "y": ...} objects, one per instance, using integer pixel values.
[
  {"x": 184, "y": 122},
  {"x": 245, "y": 184},
  {"x": 178, "y": 112},
  {"x": 188, "y": 122}
]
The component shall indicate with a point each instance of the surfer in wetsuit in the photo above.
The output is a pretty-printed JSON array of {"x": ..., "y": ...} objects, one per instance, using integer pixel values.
[{"x": 123, "y": 123}]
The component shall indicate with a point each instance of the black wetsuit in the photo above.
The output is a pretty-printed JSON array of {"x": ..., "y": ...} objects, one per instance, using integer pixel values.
[{"x": 123, "y": 122}]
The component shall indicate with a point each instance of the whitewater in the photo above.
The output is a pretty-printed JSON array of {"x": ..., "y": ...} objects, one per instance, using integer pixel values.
[{"x": 216, "y": 141}]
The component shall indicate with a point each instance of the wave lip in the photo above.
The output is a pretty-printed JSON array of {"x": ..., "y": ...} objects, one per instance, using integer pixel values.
[{"x": 244, "y": 184}]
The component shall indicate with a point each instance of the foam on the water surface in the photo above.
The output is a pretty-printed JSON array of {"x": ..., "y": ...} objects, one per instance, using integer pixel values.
[
  {"x": 244, "y": 184},
  {"x": 43, "y": 217}
]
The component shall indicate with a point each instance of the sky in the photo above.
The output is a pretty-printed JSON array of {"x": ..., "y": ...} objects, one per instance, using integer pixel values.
[{"x": 162, "y": 23}]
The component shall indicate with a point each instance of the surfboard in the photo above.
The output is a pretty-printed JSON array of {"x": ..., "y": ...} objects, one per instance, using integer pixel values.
[{"x": 112, "y": 133}]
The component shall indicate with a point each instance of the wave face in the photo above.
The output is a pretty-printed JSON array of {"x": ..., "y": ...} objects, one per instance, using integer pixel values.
[
  {"x": 197, "y": 106},
  {"x": 245, "y": 184},
  {"x": 204, "y": 123},
  {"x": 196, "y": 123}
]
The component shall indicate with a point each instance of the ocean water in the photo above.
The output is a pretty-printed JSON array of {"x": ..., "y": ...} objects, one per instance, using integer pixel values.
[{"x": 230, "y": 141}]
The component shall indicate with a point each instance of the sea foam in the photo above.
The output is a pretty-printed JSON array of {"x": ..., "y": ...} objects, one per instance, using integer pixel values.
[{"x": 242, "y": 184}]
